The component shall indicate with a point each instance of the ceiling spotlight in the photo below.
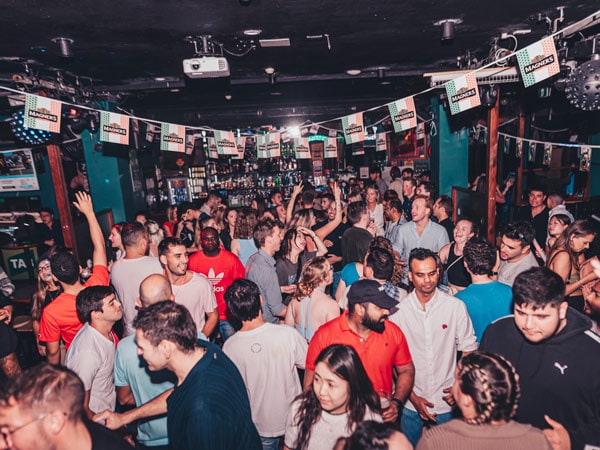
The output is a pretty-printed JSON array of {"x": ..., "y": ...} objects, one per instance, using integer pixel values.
[
  {"x": 228, "y": 97},
  {"x": 583, "y": 85},
  {"x": 353, "y": 72},
  {"x": 64, "y": 46},
  {"x": 252, "y": 32},
  {"x": 447, "y": 28},
  {"x": 269, "y": 70}
]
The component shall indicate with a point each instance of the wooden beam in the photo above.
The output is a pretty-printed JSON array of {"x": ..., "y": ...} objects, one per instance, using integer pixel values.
[
  {"x": 62, "y": 196},
  {"x": 521, "y": 134},
  {"x": 492, "y": 168}
]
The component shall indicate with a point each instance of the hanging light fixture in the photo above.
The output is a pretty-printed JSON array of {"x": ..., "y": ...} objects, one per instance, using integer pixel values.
[
  {"x": 64, "y": 46},
  {"x": 25, "y": 134},
  {"x": 583, "y": 85},
  {"x": 448, "y": 28}
]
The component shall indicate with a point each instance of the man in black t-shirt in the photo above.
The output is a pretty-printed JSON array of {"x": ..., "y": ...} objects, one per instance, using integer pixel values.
[{"x": 42, "y": 409}]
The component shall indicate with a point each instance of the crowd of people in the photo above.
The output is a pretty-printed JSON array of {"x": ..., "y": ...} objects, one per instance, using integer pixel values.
[{"x": 360, "y": 321}]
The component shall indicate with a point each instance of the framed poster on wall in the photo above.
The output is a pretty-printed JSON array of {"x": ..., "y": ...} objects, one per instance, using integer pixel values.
[{"x": 17, "y": 171}]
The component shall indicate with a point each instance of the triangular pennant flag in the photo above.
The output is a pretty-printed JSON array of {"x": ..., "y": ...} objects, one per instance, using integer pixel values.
[
  {"x": 585, "y": 158},
  {"x": 240, "y": 144},
  {"x": 538, "y": 61},
  {"x": 42, "y": 113},
  {"x": 403, "y": 114},
  {"x": 172, "y": 137},
  {"x": 226, "y": 144},
  {"x": 114, "y": 128},
  {"x": 354, "y": 130},
  {"x": 463, "y": 93},
  {"x": 547, "y": 153},
  {"x": 301, "y": 148},
  {"x": 519, "y": 146},
  {"x": 212, "y": 148},
  {"x": 381, "y": 142},
  {"x": 331, "y": 149}
]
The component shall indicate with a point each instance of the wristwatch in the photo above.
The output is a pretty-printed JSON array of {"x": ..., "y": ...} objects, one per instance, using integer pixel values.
[{"x": 398, "y": 403}]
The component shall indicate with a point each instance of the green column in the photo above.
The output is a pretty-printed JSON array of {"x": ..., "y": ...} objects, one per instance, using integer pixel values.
[
  {"x": 595, "y": 167},
  {"x": 449, "y": 152}
]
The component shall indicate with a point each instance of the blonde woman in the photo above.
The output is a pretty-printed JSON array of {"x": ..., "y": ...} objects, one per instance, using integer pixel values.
[{"x": 311, "y": 307}]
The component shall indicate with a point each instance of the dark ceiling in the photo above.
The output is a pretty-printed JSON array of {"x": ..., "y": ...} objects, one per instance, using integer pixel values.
[{"x": 133, "y": 50}]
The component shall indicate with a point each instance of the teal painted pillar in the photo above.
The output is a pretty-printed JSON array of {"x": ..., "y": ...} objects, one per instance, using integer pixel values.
[
  {"x": 105, "y": 175},
  {"x": 449, "y": 152},
  {"x": 595, "y": 167}
]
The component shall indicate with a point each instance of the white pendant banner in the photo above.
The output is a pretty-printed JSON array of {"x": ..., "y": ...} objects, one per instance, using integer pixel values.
[
  {"x": 42, "y": 113},
  {"x": 463, "y": 93},
  {"x": 114, "y": 128},
  {"x": 354, "y": 130},
  {"x": 172, "y": 137}
]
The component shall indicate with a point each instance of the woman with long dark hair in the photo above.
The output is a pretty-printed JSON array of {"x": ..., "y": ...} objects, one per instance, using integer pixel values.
[
  {"x": 340, "y": 398},
  {"x": 486, "y": 390},
  {"x": 228, "y": 232},
  {"x": 566, "y": 258},
  {"x": 243, "y": 245}
]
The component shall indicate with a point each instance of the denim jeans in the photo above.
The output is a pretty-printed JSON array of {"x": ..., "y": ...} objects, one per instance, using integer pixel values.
[
  {"x": 270, "y": 443},
  {"x": 412, "y": 424},
  {"x": 225, "y": 329}
]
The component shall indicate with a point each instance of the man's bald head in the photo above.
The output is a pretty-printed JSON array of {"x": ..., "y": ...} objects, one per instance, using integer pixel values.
[{"x": 155, "y": 288}]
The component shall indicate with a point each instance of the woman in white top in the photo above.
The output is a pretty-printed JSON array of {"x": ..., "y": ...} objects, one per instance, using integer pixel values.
[
  {"x": 375, "y": 208},
  {"x": 340, "y": 398},
  {"x": 311, "y": 307}
]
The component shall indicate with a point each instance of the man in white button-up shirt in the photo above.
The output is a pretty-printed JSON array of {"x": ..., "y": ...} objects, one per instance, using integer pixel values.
[{"x": 437, "y": 327}]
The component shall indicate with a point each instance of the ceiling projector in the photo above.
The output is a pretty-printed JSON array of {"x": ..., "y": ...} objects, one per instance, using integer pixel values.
[{"x": 206, "y": 67}]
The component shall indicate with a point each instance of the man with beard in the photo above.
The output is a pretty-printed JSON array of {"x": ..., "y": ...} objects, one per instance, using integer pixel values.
[
  {"x": 437, "y": 327},
  {"x": 380, "y": 344},
  {"x": 222, "y": 268},
  {"x": 592, "y": 304},
  {"x": 192, "y": 290},
  {"x": 515, "y": 252}
]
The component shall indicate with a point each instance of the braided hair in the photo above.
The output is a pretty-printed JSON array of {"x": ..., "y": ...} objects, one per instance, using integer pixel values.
[{"x": 493, "y": 384}]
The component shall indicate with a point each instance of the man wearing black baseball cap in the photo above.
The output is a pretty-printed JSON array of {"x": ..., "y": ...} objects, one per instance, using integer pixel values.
[{"x": 380, "y": 344}]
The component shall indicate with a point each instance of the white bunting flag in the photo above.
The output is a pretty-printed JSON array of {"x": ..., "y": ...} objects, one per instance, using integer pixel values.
[
  {"x": 190, "y": 140},
  {"x": 150, "y": 132},
  {"x": 331, "y": 150},
  {"x": 354, "y": 130},
  {"x": 226, "y": 144},
  {"x": 42, "y": 113},
  {"x": 212, "y": 148},
  {"x": 172, "y": 137},
  {"x": 403, "y": 114},
  {"x": 114, "y": 128},
  {"x": 519, "y": 145},
  {"x": 585, "y": 158},
  {"x": 301, "y": 148},
  {"x": 269, "y": 145},
  {"x": 538, "y": 61},
  {"x": 463, "y": 93},
  {"x": 380, "y": 142},
  {"x": 547, "y": 153}
]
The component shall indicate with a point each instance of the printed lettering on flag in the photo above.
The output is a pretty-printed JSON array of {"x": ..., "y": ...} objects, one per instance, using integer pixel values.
[
  {"x": 114, "y": 128},
  {"x": 240, "y": 147},
  {"x": 331, "y": 150},
  {"x": 225, "y": 143},
  {"x": 538, "y": 61},
  {"x": 261, "y": 142},
  {"x": 301, "y": 148},
  {"x": 354, "y": 130},
  {"x": 403, "y": 114},
  {"x": 380, "y": 142},
  {"x": 42, "y": 113},
  {"x": 172, "y": 137},
  {"x": 273, "y": 145},
  {"x": 463, "y": 93}
]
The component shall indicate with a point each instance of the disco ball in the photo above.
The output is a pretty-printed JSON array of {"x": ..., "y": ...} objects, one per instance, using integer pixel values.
[
  {"x": 583, "y": 86},
  {"x": 29, "y": 135}
]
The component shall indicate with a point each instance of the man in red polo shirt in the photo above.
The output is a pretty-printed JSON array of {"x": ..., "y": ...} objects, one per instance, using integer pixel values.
[
  {"x": 380, "y": 344},
  {"x": 222, "y": 268},
  {"x": 59, "y": 319}
]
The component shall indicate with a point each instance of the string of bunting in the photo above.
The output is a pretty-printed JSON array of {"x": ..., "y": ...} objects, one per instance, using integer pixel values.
[
  {"x": 531, "y": 147},
  {"x": 537, "y": 62}
]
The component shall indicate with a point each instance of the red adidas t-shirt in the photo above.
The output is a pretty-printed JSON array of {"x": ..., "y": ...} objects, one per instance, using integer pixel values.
[
  {"x": 222, "y": 270},
  {"x": 59, "y": 318}
]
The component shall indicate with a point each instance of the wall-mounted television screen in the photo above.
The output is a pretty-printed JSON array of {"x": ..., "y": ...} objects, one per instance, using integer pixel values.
[{"x": 17, "y": 171}]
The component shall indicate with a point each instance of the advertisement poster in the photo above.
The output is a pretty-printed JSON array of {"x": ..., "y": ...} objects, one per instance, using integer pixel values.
[{"x": 17, "y": 171}]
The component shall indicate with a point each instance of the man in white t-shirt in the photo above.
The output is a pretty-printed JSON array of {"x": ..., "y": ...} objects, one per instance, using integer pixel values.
[
  {"x": 127, "y": 273},
  {"x": 192, "y": 290},
  {"x": 267, "y": 356},
  {"x": 92, "y": 352}
]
